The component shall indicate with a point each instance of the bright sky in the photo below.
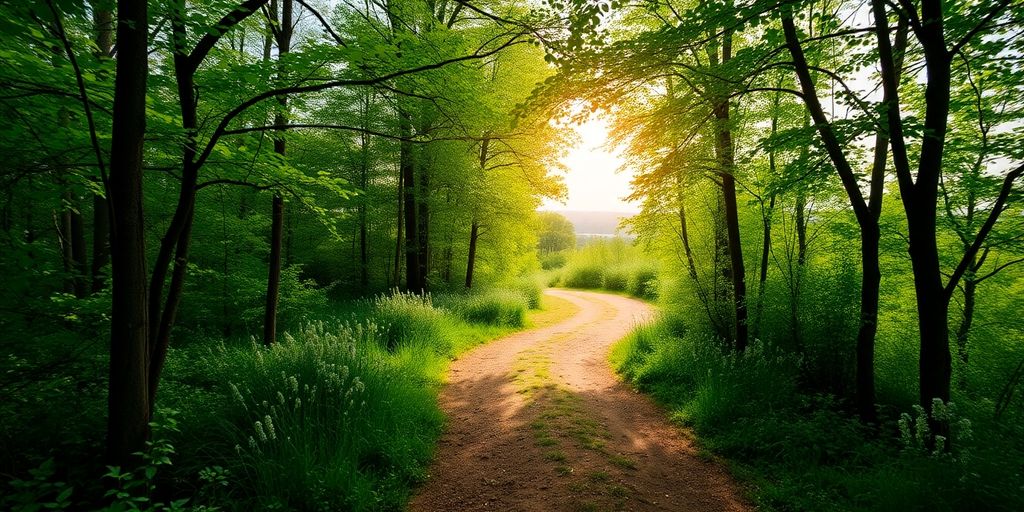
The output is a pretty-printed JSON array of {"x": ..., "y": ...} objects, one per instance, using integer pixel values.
[{"x": 592, "y": 178}]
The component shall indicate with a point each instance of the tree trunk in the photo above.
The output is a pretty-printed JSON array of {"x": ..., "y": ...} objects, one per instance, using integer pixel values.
[
  {"x": 274, "y": 277},
  {"x": 866, "y": 220},
  {"x": 766, "y": 248},
  {"x": 920, "y": 197},
  {"x": 474, "y": 233},
  {"x": 128, "y": 408},
  {"x": 399, "y": 214},
  {"x": 724, "y": 151},
  {"x": 739, "y": 281},
  {"x": 67, "y": 254},
  {"x": 423, "y": 217},
  {"x": 100, "y": 241},
  {"x": 932, "y": 299},
  {"x": 284, "y": 38},
  {"x": 766, "y": 222},
  {"x": 871, "y": 276},
  {"x": 413, "y": 278}
]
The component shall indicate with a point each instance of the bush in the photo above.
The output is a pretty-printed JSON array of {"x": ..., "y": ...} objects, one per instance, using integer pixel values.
[
  {"x": 615, "y": 279},
  {"x": 643, "y": 281},
  {"x": 806, "y": 452},
  {"x": 612, "y": 265},
  {"x": 407, "y": 318},
  {"x": 498, "y": 307},
  {"x": 718, "y": 385},
  {"x": 583, "y": 276},
  {"x": 553, "y": 260}
]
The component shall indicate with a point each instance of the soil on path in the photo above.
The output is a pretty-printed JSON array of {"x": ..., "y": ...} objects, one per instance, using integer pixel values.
[{"x": 537, "y": 421}]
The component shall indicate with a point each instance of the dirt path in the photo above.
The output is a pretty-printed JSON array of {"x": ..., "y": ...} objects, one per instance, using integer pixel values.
[{"x": 539, "y": 422}]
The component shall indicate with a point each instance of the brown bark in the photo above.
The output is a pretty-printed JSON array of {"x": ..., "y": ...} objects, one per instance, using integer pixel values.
[
  {"x": 274, "y": 277},
  {"x": 724, "y": 152},
  {"x": 866, "y": 220},
  {"x": 128, "y": 407}
]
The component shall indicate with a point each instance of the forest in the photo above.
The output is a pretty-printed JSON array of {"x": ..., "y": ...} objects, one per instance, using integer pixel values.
[{"x": 294, "y": 255}]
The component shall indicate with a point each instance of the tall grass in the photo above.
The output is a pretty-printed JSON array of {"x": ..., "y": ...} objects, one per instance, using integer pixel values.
[
  {"x": 496, "y": 306},
  {"x": 806, "y": 452},
  {"x": 339, "y": 415},
  {"x": 327, "y": 419},
  {"x": 612, "y": 265}
]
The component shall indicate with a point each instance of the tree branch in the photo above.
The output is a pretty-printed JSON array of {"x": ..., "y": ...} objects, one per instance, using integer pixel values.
[
  {"x": 996, "y": 10},
  {"x": 273, "y": 93},
  {"x": 997, "y": 210},
  {"x": 214, "y": 33}
]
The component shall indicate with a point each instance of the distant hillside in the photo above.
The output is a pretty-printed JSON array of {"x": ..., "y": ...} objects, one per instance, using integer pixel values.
[{"x": 594, "y": 223}]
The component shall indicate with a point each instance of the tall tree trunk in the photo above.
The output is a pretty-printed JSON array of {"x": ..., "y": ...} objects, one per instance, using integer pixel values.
[
  {"x": 921, "y": 207},
  {"x": 766, "y": 221},
  {"x": 274, "y": 277},
  {"x": 284, "y": 38},
  {"x": 920, "y": 197},
  {"x": 423, "y": 217},
  {"x": 727, "y": 166},
  {"x": 67, "y": 254},
  {"x": 399, "y": 216},
  {"x": 128, "y": 408},
  {"x": 474, "y": 234},
  {"x": 766, "y": 248},
  {"x": 685, "y": 237},
  {"x": 864, "y": 211},
  {"x": 413, "y": 278}
]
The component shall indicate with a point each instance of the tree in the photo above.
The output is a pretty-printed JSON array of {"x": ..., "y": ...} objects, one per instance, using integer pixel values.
[
  {"x": 555, "y": 233},
  {"x": 129, "y": 404}
]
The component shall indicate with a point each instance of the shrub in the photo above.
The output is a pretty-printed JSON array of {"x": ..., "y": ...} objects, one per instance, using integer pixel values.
[
  {"x": 643, "y": 281},
  {"x": 553, "y": 260},
  {"x": 498, "y": 307},
  {"x": 583, "y": 276},
  {"x": 407, "y": 318},
  {"x": 615, "y": 279}
]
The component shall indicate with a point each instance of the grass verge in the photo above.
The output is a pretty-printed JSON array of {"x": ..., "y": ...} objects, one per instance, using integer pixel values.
[
  {"x": 799, "y": 452},
  {"x": 339, "y": 415}
]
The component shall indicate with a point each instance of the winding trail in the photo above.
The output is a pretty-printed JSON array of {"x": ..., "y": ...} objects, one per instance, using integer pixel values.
[{"x": 539, "y": 422}]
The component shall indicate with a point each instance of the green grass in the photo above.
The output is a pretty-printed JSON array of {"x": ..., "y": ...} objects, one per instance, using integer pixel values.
[
  {"x": 802, "y": 452},
  {"x": 611, "y": 265},
  {"x": 340, "y": 414}
]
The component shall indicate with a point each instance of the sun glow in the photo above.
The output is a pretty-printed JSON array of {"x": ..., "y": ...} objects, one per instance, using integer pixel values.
[{"x": 594, "y": 172}]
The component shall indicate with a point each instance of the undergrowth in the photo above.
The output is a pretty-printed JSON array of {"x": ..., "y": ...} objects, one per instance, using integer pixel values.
[
  {"x": 341, "y": 414},
  {"x": 612, "y": 265},
  {"x": 797, "y": 451}
]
